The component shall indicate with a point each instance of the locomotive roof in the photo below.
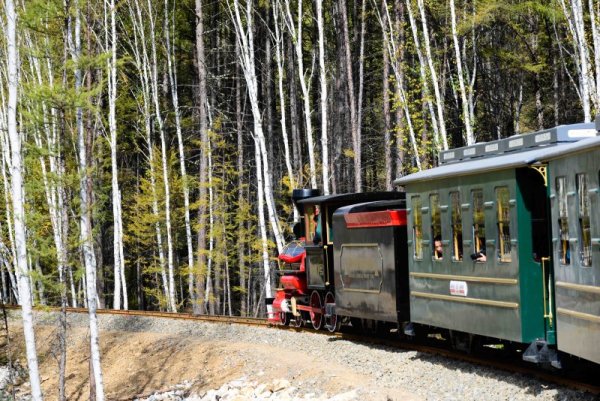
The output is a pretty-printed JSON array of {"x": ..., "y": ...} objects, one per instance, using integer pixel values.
[
  {"x": 501, "y": 162},
  {"x": 372, "y": 206},
  {"x": 355, "y": 197}
]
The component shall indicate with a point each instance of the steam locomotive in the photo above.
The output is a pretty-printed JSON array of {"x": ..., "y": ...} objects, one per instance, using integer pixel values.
[{"x": 499, "y": 243}]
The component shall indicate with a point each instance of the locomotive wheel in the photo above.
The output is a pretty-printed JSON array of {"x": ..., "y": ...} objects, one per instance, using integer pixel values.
[
  {"x": 284, "y": 318},
  {"x": 316, "y": 318},
  {"x": 333, "y": 322}
]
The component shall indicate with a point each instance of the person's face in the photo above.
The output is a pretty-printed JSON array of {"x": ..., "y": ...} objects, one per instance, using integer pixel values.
[{"x": 438, "y": 246}]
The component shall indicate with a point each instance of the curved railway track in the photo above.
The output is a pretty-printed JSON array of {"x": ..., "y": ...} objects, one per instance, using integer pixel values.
[{"x": 558, "y": 377}]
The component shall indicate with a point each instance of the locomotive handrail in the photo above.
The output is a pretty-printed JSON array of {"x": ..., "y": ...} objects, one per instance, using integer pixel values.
[{"x": 547, "y": 305}]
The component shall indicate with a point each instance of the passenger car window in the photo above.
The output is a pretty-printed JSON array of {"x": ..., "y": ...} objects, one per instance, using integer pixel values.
[
  {"x": 436, "y": 227},
  {"x": 417, "y": 227},
  {"x": 583, "y": 207},
  {"x": 478, "y": 227},
  {"x": 564, "y": 248},
  {"x": 503, "y": 221},
  {"x": 457, "y": 242}
]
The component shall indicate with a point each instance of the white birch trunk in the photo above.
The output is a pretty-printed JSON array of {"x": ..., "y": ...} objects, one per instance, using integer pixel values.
[
  {"x": 323, "y": 83},
  {"x": 111, "y": 64},
  {"x": 163, "y": 146},
  {"x": 356, "y": 139},
  {"x": 390, "y": 46},
  {"x": 186, "y": 193},
  {"x": 361, "y": 80},
  {"x": 10, "y": 262},
  {"x": 12, "y": 254},
  {"x": 424, "y": 79},
  {"x": 434, "y": 78},
  {"x": 280, "y": 73},
  {"x": 461, "y": 80},
  {"x": 18, "y": 200},
  {"x": 263, "y": 229},
  {"x": 85, "y": 226},
  {"x": 141, "y": 58},
  {"x": 245, "y": 38},
  {"x": 208, "y": 302},
  {"x": 575, "y": 22},
  {"x": 594, "y": 15},
  {"x": 297, "y": 39}
]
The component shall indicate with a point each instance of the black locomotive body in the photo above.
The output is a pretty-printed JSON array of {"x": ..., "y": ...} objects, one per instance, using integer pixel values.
[{"x": 370, "y": 262}]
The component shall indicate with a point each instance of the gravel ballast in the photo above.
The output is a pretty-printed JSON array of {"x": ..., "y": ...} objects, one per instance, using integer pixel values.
[{"x": 350, "y": 371}]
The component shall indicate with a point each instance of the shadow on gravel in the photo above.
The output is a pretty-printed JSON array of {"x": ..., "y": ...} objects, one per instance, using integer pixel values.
[{"x": 524, "y": 384}]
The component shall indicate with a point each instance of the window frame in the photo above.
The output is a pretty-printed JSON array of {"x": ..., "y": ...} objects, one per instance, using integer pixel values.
[
  {"x": 457, "y": 235},
  {"x": 582, "y": 257},
  {"x": 503, "y": 246},
  {"x": 476, "y": 227},
  {"x": 435, "y": 222},
  {"x": 417, "y": 226},
  {"x": 562, "y": 199}
]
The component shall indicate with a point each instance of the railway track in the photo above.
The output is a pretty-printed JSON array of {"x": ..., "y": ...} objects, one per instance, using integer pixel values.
[{"x": 489, "y": 360}]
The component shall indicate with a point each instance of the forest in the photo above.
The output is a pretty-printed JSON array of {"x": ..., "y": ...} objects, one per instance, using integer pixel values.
[{"x": 149, "y": 148}]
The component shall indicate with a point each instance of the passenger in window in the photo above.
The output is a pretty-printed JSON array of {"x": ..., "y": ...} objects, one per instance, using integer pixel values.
[
  {"x": 438, "y": 249},
  {"x": 317, "y": 219},
  {"x": 479, "y": 255}
]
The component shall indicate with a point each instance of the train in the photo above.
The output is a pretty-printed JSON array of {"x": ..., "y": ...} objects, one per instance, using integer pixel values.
[{"x": 498, "y": 244}]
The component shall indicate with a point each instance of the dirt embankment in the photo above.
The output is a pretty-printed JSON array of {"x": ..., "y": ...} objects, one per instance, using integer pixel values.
[{"x": 139, "y": 363}]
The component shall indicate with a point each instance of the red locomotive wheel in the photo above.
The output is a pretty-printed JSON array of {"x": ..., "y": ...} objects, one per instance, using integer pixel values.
[
  {"x": 333, "y": 323},
  {"x": 316, "y": 312}
]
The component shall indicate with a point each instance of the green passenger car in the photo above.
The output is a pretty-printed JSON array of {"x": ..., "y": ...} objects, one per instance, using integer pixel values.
[
  {"x": 479, "y": 239},
  {"x": 574, "y": 182}
]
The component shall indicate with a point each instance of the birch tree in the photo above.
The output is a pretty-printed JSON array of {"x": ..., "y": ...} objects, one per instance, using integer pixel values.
[
  {"x": 53, "y": 182},
  {"x": 85, "y": 221},
  {"x": 323, "y": 93},
  {"x": 141, "y": 58},
  {"x": 356, "y": 139},
  {"x": 434, "y": 76},
  {"x": 461, "y": 79},
  {"x": 163, "y": 146},
  {"x": 423, "y": 73},
  {"x": 280, "y": 74},
  {"x": 18, "y": 199},
  {"x": 390, "y": 46},
  {"x": 595, "y": 28},
  {"x": 111, "y": 65},
  {"x": 245, "y": 38},
  {"x": 172, "y": 70},
  {"x": 574, "y": 15},
  {"x": 387, "y": 125},
  {"x": 296, "y": 33}
]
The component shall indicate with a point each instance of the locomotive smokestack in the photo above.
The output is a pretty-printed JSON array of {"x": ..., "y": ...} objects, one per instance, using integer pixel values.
[
  {"x": 298, "y": 195},
  {"x": 304, "y": 193}
]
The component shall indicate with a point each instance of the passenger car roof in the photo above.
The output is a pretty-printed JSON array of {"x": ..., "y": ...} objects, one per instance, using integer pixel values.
[{"x": 501, "y": 162}]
